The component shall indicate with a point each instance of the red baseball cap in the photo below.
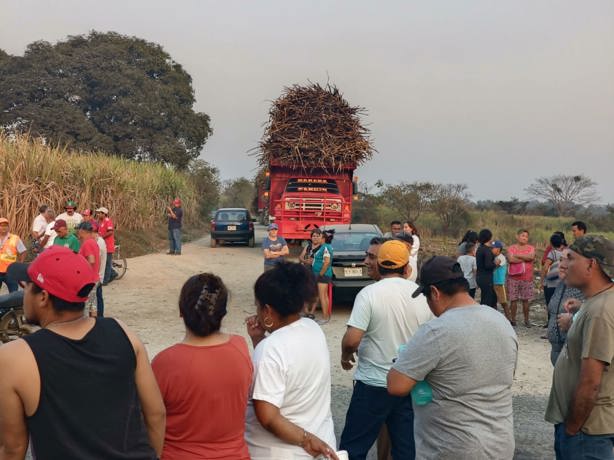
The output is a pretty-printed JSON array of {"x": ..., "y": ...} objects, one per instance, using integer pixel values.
[
  {"x": 60, "y": 272},
  {"x": 177, "y": 202},
  {"x": 59, "y": 224}
]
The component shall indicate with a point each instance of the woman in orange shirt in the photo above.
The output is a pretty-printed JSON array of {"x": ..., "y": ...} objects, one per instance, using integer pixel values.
[{"x": 205, "y": 379}]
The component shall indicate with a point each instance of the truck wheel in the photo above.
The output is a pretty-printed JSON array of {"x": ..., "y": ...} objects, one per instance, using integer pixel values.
[
  {"x": 213, "y": 242},
  {"x": 251, "y": 242}
]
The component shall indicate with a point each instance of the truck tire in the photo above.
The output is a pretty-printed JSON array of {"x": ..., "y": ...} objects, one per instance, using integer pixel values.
[
  {"x": 251, "y": 242},
  {"x": 213, "y": 242}
]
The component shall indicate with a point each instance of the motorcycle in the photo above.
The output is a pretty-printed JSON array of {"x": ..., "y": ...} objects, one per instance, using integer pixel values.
[{"x": 12, "y": 320}]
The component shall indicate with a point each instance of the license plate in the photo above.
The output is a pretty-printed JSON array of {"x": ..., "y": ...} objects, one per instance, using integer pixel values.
[
  {"x": 232, "y": 228},
  {"x": 352, "y": 272}
]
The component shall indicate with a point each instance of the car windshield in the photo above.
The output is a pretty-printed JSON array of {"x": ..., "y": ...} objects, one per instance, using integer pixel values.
[
  {"x": 231, "y": 216},
  {"x": 352, "y": 241}
]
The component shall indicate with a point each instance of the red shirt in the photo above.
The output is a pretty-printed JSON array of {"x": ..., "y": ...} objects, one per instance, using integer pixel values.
[
  {"x": 525, "y": 250},
  {"x": 107, "y": 224},
  {"x": 90, "y": 248},
  {"x": 205, "y": 392}
]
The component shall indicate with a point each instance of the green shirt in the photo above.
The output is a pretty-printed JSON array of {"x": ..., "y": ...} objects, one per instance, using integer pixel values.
[
  {"x": 591, "y": 336},
  {"x": 70, "y": 241}
]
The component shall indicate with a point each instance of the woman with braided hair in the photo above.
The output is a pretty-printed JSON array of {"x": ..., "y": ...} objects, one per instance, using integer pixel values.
[
  {"x": 288, "y": 415},
  {"x": 205, "y": 379}
]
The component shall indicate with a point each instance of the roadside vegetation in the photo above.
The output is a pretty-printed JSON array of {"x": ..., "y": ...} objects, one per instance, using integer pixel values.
[{"x": 136, "y": 193}]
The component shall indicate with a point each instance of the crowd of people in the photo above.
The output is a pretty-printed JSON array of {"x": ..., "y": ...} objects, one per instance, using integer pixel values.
[
  {"x": 433, "y": 368},
  {"x": 89, "y": 233}
]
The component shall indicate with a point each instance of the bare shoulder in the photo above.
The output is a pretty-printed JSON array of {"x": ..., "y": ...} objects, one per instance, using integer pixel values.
[
  {"x": 16, "y": 360},
  {"x": 13, "y": 351}
]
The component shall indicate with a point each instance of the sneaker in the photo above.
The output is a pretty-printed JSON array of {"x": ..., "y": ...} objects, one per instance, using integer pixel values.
[
  {"x": 323, "y": 321},
  {"x": 513, "y": 323},
  {"x": 527, "y": 324},
  {"x": 310, "y": 316}
]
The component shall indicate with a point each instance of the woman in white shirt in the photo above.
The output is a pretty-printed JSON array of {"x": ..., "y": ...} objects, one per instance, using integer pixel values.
[
  {"x": 288, "y": 414},
  {"x": 409, "y": 227}
]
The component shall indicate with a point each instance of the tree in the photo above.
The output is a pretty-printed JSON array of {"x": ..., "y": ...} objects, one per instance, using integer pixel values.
[
  {"x": 410, "y": 200},
  {"x": 237, "y": 193},
  {"x": 104, "y": 91},
  {"x": 564, "y": 192},
  {"x": 206, "y": 181},
  {"x": 451, "y": 205},
  {"x": 513, "y": 206}
]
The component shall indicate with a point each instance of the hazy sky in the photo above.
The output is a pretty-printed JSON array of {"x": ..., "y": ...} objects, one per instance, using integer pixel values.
[{"x": 488, "y": 93}]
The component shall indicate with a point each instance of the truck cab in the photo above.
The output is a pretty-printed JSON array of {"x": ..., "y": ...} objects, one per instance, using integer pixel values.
[{"x": 299, "y": 200}]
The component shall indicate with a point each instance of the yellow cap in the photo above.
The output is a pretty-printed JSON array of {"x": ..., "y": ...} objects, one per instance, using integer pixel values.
[{"x": 393, "y": 254}]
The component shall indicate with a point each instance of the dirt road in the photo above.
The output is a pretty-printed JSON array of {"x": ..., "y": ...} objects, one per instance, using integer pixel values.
[{"x": 146, "y": 299}]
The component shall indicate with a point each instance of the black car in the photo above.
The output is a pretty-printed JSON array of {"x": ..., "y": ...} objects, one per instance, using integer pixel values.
[
  {"x": 232, "y": 225},
  {"x": 350, "y": 244}
]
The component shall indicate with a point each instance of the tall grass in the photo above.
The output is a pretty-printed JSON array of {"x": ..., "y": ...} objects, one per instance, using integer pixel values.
[{"x": 136, "y": 194}]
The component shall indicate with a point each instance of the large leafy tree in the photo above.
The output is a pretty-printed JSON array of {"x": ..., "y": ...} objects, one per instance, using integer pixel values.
[{"x": 104, "y": 91}]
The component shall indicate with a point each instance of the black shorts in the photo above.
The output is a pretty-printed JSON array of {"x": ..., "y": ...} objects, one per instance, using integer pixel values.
[{"x": 323, "y": 279}]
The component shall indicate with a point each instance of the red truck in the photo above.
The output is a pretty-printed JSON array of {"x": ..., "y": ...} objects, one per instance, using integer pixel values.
[{"x": 299, "y": 200}]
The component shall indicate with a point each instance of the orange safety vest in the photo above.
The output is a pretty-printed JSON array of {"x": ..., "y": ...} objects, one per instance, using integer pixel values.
[{"x": 8, "y": 252}]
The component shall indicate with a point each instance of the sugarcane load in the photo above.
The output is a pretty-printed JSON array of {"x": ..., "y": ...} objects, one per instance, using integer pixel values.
[{"x": 312, "y": 143}]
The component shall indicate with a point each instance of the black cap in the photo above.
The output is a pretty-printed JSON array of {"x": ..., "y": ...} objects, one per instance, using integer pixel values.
[{"x": 437, "y": 269}]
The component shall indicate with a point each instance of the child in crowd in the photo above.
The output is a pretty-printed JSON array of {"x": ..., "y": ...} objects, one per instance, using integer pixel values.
[
  {"x": 469, "y": 267},
  {"x": 499, "y": 277}
]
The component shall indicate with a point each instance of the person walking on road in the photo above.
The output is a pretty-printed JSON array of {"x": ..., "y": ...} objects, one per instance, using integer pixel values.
[
  {"x": 175, "y": 220},
  {"x": 107, "y": 232},
  {"x": 80, "y": 387},
  {"x": 459, "y": 368},
  {"x": 274, "y": 247},
  {"x": 580, "y": 405},
  {"x": 384, "y": 317},
  {"x": 12, "y": 250}
]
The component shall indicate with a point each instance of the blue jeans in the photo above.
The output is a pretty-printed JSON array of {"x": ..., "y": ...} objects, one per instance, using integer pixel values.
[
  {"x": 11, "y": 284},
  {"x": 174, "y": 238},
  {"x": 108, "y": 268},
  {"x": 369, "y": 409},
  {"x": 582, "y": 446},
  {"x": 99, "y": 300}
]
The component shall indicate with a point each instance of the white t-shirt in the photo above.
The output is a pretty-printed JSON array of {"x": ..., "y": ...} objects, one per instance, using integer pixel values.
[
  {"x": 39, "y": 225},
  {"x": 413, "y": 258},
  {"x": 469, "y": 267},
  {"x": 50, "y": 232},
  {"x": 102, "y": 250},
  {"x": 292, "y": 372},
  {"x": 71, "y": 221},
  {"x": 389, "y": 316}
]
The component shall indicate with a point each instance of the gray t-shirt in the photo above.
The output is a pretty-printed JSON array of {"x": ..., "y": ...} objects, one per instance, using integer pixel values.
[{"x": 468, "y": 356}]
